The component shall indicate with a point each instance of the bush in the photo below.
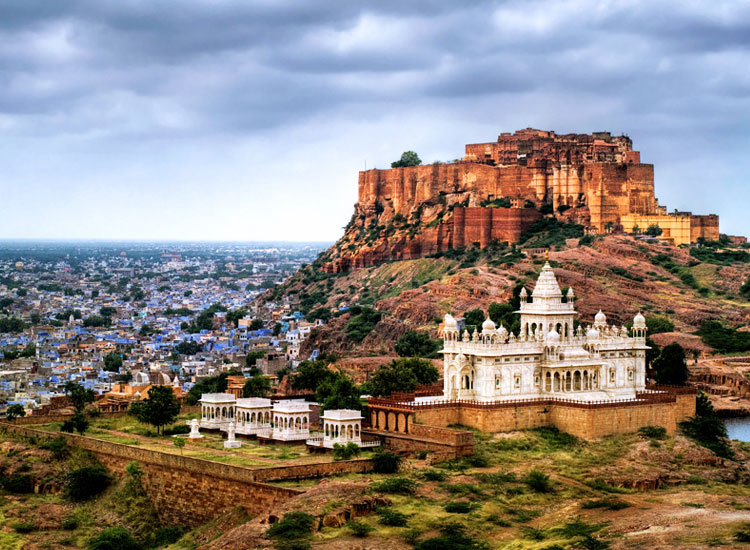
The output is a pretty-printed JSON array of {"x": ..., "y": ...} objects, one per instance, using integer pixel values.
[
  {"x": 386, "y": 462},
  {"x": 363, "y": 319},
  {"x": 433, "y": 475},
  {"x": 396, "y": 485},
  {"x": 113, "y": 538},
  {"x": 27, "y": 527},
  {"x": 70, "y": 524},
  {"x": 164, "y": 536},
  {"x": 459, "y": 507},
  {"x": 18, "y": 483},
  {"x": 608, "y": 503},
  {"x": 653, "y": 432},
  {"x": 86, "y": 482},
  {"x": 359, "y": 529},
  {"x": 294, "y": 525},
  {"x": 345, "y": 452},
  {"x": 453, "y": 535},
  {"x": 538, "y": 481},
  {"x": 392, "y": 518},
  {"x": 58, "y": 446}
]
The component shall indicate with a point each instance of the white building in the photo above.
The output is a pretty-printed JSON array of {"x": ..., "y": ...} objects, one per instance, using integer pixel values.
[
  {"x": 291, "y": 421},
  {"x": 253, "y": 415},
  {"x": 548, "y": 358},
  {"x": 341, "y": 426},
  {"x": 217, "y": 410}
]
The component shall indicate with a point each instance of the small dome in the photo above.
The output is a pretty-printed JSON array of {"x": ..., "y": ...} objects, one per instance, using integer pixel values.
[
  {"x": 553, "y": 336},
  {"x": 523, "y": 292},
  {"x": 488, "y": 325},
  {"x": 449, "y": 322},
  {"x": 639, "y": 321},
  {"x": 502, "y": 332},
  {"x": 570, "y": 293},
  {"x": 592, "y": 334},
  {"x": 600, "y": 318}
]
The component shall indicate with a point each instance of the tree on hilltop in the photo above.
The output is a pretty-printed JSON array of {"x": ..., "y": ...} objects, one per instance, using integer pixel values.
[
  {"x": 417, "y": 344},
  {"x": 408, "y": 158}
]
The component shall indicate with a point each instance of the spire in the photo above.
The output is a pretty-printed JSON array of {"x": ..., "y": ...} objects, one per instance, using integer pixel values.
[{"x": 546, "y": 284}]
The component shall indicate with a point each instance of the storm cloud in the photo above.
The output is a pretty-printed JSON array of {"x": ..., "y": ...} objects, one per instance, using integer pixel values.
[{"x": 223, "y": 119}]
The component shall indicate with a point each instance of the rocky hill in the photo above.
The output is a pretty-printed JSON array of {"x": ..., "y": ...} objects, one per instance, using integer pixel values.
[{"x": 616, "y": 273}]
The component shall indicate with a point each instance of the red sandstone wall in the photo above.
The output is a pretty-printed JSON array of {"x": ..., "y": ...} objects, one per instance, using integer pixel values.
[{"x": 706, "y": 227}]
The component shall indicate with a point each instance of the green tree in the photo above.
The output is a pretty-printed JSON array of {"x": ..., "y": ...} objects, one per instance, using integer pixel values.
[
  {"x": 408, "y": 158},
  {"x": 653, "y": 230},
  {"x": 256, "y": 386},
  {"x": 417, "y": 344},
  {"x": 474, "y": 318},
  {"x": 311, "y": 373},
  {"x": 78, "y": 423},
  {"x": 338, "y": 393},
  {"x": 159, "y": 409},
  {"x": 251, "y": 359},
  {"x": 79, "y": 396},
  {"x": 189, "y": 347},
  {"x": 402, "y": 375},
  {"x": 671, "y": 366},
  {"x": 15, "y": 411},
  {"x": 256, "y": 324},
  {"x": 233, "y": 317},
  {"x": 179, "y": 442},
  {"x": 322, "y": 313},
  {"x": 361, "y": 322},
  {"x": 657, "y": 324},
  {"x": 214, "y": 384},
  {"x": 112, "y": 362}
]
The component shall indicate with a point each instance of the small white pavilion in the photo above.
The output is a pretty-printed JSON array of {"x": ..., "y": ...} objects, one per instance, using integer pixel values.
[
  {"x": 341, "y": 426},
  {"x": 217, "y": 410},
  {"x": 291, "y": 421},
  {"x": 253, "y": 415}
]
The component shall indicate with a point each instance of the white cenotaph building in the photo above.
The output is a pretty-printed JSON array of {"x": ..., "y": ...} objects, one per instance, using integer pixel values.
[{"x": 549, "y": 357}]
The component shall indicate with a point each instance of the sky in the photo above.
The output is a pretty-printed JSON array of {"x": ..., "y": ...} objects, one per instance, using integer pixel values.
[{"x": 249, "y": 120}]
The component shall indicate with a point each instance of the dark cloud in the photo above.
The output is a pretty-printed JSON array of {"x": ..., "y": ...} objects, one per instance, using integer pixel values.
[{"x": 115, "y": 74}]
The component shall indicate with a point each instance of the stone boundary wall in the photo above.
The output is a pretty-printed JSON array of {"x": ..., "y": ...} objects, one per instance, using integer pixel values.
[
  {"x": 584, "y": 422},
  {"x": 319, "y": 469},
  {"x": 186, "y": 491}
]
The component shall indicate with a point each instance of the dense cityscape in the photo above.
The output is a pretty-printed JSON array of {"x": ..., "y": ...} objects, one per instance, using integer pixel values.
[{"x": 118, "y": 317}]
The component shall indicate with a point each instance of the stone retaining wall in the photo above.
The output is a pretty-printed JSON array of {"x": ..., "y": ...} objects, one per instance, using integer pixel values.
[{"x": 187, "y": 491}]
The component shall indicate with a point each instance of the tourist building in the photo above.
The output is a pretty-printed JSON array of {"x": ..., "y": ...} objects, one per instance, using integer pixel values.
[{"x": 550, "y": 357}]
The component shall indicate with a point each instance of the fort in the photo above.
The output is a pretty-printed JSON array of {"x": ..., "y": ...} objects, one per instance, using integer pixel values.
[{"x": 496, "y": 190}]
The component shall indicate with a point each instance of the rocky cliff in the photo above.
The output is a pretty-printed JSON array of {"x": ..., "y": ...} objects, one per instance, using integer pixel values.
[{"x": 496, "y": 192}]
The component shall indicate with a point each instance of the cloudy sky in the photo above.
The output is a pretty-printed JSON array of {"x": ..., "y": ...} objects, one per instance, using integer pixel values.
[{"x": 249, "y": 120}]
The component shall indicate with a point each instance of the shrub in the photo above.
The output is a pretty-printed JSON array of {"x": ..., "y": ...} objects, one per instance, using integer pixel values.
[
  {"x": 453, "y": 535},
  {"x": 653, "y": 432},
  {"x": 70, "y": 524},
  {"x": 359, "y": 529},
  {"x": 417, "y": 344},
  {"x": 86, "y": 482},
  {"x": 396, "y": 485},
  {"x": 433, "y": 475},
  {"x": 459, "y": 507},
  {"x": 361, "y": 323},
  {"x": 164, "y": 536},
  {"x": 392, "y": 518},
  {"x": 608, "y": 503},
  {"x": 113, "y": 538},
  {"x": 345, "y": 452},
  {"x": 386, "y": 462},
  {"x": 538, "y": 481},
  {"x": 294, "y": 525},
  {"x": 58, "y": 446},
  {"x": 27, "y": 527},
  {"x": 18, "y": 483}
]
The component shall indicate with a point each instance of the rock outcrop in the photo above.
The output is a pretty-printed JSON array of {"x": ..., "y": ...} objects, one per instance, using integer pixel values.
[{"x": 495, "y": 192}]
